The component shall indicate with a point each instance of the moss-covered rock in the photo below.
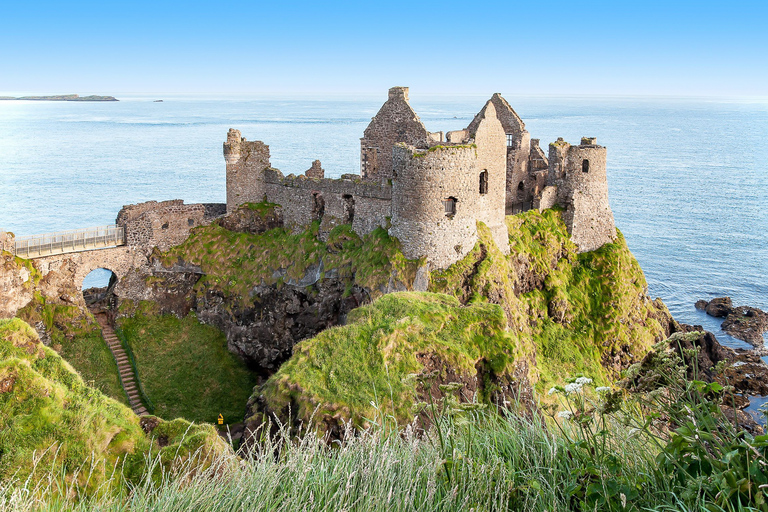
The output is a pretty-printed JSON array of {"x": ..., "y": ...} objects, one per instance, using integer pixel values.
[
  {"x": 558, "y": 314},
  {"x": 50, "y": 421},
  {"x": 367, "y": 367}
]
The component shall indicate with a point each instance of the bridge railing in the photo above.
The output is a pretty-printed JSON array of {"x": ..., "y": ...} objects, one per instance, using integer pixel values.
[{"x": 68, "y": 241}]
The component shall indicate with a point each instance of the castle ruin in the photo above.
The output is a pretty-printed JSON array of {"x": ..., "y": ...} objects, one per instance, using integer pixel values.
[{"x": 430, "y": 189}]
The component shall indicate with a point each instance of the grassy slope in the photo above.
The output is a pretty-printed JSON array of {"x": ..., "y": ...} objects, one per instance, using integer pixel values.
[
  {"x": 45, "y": 407},
  {"x": 76, "y": 336},
  {"x": 186, "y": 369},
  {"x": 607, "y": 321},
  {"x": 345, "y": 368},
  {"x": 601, "y": 322}
]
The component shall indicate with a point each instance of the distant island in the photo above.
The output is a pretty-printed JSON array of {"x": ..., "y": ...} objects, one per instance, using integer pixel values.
[{"x": 62, "y": 97}]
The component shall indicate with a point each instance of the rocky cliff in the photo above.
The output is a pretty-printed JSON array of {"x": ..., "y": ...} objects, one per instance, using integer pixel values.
[{"x": 269, "y": 288}]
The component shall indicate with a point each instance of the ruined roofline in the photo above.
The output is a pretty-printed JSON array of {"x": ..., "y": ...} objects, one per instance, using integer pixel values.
[
  {"x": 504, "y": 112},
  {"x": 395, "y": 95}
]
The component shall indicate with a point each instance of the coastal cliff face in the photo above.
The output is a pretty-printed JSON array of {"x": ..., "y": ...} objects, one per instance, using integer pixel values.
[
  {"x": 268, "y": 289},
  {"x": 545, "y": 311}
]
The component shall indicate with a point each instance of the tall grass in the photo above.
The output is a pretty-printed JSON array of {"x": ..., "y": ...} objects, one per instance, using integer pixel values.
[{"x": 496, "y": 463}]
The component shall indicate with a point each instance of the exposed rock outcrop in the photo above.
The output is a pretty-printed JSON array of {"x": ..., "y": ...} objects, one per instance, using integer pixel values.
[{"x": 743, "y": 322}]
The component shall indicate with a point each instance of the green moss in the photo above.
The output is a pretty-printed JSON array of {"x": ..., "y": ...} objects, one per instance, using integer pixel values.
[
  {"x": 77, "y": 337},
  {"x": 52, "y": 422},
  {"x": 185, "y": 367},
  {"x": 264, "y": 208},
  {"x": 234, "y": 263},
  {"x": 345, "y": 369},
  {"x": 604, "y": 320}
]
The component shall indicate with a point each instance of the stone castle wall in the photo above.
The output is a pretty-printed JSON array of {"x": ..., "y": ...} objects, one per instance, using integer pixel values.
[
  {"x": 164, "y": 224},
  {"x": 395, "y": 122},
  {"x": 579, "y": 174},
  {"x": 490, "y": 140},
  {"x": 348, "y": 200}
]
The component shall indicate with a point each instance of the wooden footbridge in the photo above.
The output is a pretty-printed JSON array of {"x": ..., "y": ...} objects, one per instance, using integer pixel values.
[{"x": 63, "y": 242}]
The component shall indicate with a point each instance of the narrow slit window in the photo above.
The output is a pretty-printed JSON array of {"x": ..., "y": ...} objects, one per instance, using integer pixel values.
[
  {"x": 484, "y": 182},
  {"x": 449, "y": 204},
  {"x": 510, "y": 140},
  {"x": 585, "y": 165}
]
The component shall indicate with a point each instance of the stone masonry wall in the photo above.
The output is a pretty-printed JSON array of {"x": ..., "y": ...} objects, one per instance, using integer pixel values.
[
  {"x": 246, "y": 162},
  {"x": 333, "y": 202},
  {"x": 395, "y": 122},
  {"x": 163, "y": 224},
  {"x": 490, "y": 140},
  {"x": 579, "y": 173},
  {"x": 518, "y": 154},
  {"x": 424, "y": 180}
]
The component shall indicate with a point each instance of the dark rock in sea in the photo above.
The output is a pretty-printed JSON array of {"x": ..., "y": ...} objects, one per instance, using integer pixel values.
[
  {"x": 744, "y": 322},
  {"x": 748, "y": 324},
  {"x": 157, "y": 101},
  {"x": 742, "y": 369},
  {"x": 719, "y": 307}
]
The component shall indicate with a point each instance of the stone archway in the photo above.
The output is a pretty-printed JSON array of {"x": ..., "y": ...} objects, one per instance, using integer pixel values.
[{"x": 98, "y": 287}]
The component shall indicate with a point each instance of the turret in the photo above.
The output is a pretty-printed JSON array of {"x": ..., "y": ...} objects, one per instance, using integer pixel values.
[
  {"x": 579, "y": 175},
  {"x": 441, "y": 193},
  {"x": 246, "y": 162}
]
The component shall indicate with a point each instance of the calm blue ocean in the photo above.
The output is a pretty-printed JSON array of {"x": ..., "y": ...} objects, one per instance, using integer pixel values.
[{"x": 688, "y": 178}]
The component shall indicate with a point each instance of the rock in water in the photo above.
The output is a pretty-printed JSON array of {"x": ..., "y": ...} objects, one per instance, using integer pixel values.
[{"x": 744, "y": 322}]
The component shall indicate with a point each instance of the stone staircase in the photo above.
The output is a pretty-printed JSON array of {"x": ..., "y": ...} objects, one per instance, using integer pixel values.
[{"x": 130, "y": 385}]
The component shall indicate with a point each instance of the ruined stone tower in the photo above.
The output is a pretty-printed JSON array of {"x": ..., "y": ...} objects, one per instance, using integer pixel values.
[
  {"x": 526, "y": 163},
  {"x": 577, "y": 181},
  {"x": 246, "y": 162},
  {"x": 395, "y": 122},
  {"x": 441, "y": 192}
]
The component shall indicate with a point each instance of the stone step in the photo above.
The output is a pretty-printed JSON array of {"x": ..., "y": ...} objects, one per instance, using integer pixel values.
[{"x": 124, "y": 368}]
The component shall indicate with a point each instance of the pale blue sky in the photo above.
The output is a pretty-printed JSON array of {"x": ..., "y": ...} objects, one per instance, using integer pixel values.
[{"x": 585, "y": 47}]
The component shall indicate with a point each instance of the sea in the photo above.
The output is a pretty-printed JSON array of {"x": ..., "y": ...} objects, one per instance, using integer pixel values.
[{"x": 688, "y": 177}]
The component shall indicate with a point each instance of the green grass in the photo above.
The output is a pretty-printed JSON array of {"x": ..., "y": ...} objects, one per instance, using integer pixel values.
[
  {"x": 234, "y": 262},
  {"x": 344, "y": 369},
  {"x": 496, "y": 463},
  {"x": 186, "y": 369},
  {"x": 76, "y": 336},
  {"x": 54, "y": 424}
]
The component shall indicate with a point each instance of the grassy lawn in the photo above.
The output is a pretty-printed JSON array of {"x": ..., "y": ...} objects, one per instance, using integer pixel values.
[{"x": 186, "y": 369}]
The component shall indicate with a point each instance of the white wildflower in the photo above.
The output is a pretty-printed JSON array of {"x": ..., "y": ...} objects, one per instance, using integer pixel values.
[
  {"x": 573, "y": 387},
  {"x": 566, "y": 415},
  {"x": 603, "y": 389},
  {"x": 552, "y": 391},
  {"x": 583, "y": 380}
]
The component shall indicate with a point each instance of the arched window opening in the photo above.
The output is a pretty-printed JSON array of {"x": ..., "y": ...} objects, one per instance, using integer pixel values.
[
  {"x": 318, "y": 206},
  {"x": 97, "y": 289},
  {"x": 484, "y": 182},
  {"x": 449, "y": 203},
  {"x": 349, "y": 208},
  {"x": 585, "y": 165}
]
